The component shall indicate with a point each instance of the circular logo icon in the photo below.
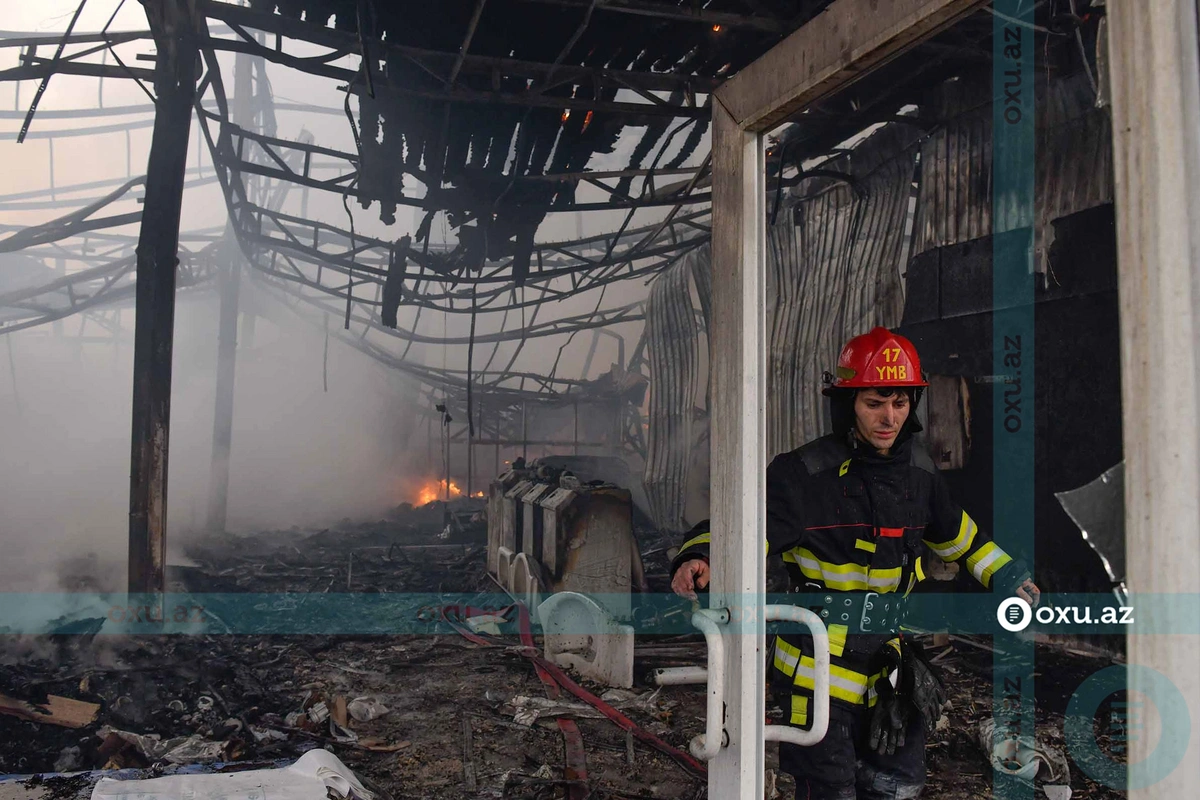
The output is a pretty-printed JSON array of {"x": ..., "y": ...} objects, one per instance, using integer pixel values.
[
  {"x": 1174, "y": 719},
  {"x": 1014, "y": 614}
]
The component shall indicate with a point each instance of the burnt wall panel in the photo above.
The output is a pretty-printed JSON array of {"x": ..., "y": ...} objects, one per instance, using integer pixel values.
[
  {"x": 965, "y": 280},
  {"x": 1077, "y": 390},
  {"x": 922, "y": 297},
  {"x": 1074, "y": 162}
]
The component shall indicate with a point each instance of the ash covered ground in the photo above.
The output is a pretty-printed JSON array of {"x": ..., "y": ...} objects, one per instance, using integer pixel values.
[{"x": 457, "y": 723}]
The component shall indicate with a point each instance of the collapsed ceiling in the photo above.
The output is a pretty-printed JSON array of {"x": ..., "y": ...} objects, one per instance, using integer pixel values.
[{"x": 488, "y": 116}]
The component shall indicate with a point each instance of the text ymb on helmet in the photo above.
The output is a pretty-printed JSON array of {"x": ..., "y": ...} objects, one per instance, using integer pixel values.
[{"x": 877, "y": 360}]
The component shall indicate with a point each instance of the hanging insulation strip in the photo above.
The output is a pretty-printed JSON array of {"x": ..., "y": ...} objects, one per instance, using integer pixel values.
[
  {"x": 673, "y": 347},
  {"x": 833, "y": 272}
]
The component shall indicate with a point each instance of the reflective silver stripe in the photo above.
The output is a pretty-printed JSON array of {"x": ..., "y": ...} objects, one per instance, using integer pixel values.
[
  {"x": 854, "y": 687},
  {"x": 844, "y": 577},
  {"x": 852, "y": 571},
  {"x": 981, "y": 566},
  {"x": 948, "y": 551},
  {"x": 887, "y": 584},
  {"x": 787, "y": 658}
]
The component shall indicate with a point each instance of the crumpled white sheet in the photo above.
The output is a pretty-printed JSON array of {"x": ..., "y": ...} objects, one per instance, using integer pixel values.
[
  {"x": 180, "y": 750},
  {"x": 1025, "y": 758},
  {"x": 310, "y": 778}
]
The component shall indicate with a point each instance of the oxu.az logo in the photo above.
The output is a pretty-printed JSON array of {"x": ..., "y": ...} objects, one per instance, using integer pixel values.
[
  {"x": 1014, "y": 615},
  {"x": 1174, "y": 725}
]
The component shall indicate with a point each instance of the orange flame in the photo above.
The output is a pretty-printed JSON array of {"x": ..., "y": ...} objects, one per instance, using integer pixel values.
[{"x": 436, "y": 490}]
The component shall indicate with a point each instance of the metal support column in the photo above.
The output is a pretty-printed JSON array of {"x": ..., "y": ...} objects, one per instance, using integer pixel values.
[
  {"x": 471, "y": 437},
  {"x": 446, "y": 487},
  {"x": 739, "y": 442},
  {"x": 228, "y": 279},
  {"x": 60, "y": 271},
  {"x": 1155, "y": 75},
  {"x": 175, "y": 85}
]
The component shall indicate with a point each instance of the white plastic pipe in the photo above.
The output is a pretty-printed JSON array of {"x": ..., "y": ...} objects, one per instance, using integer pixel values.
[
  {"x": 680, "y": 676},
  {"x": 820, "y": 709},
  {"x": 707, "y": 745}
]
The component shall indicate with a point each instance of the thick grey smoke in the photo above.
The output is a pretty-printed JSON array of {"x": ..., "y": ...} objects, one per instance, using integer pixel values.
[{"x": 301, "y": 455}]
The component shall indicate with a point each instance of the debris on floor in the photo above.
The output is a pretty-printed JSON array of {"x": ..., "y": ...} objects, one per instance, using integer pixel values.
[
  {"x": 412, "y": 715},
  {"x": 317, "y": 775},
  {"x": 1023, "y": 757},
  {"x": 55, "y": 710}
]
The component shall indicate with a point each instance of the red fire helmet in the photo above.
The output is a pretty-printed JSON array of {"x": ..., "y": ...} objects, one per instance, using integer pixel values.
[{"x": 878, "y": 360}]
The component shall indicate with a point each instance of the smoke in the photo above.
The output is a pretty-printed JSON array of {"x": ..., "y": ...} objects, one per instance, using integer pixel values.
[{"x": 302, "y": 455}]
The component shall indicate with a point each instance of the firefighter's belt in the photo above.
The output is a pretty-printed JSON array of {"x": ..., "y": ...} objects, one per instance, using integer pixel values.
[{"x": 863, "y": 612}]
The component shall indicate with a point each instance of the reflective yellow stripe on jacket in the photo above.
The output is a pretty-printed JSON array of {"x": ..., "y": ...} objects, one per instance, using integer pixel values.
[
  {"x": 704, "y": 538},
  {"x": 984, "y": 562},
  {"x": 799, "y": 714},
  {"x": 915, "y": 578},
  {"x": 949, "y": 551},
  {"x": 843, "y": 577},
  {"x": 845, "y": 684}
]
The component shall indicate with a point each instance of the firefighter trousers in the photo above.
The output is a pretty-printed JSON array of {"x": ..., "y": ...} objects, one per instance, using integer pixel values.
[{"x": 842, "y": 767}]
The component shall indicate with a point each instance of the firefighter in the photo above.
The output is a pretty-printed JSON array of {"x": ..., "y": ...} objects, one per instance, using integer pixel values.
[{"x": 848, "y": 513}]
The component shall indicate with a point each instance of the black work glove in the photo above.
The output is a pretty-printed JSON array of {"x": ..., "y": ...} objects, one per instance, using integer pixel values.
[
  {"x": 890, "y": 715},
  {"x": 924, "y": 684},
  {"x": 889, "y": 719}
]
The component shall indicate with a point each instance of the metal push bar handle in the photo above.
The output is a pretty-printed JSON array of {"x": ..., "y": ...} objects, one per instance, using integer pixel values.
[
  {"x": 820, "y": 710},
  {"x": 707, "y": 745}
]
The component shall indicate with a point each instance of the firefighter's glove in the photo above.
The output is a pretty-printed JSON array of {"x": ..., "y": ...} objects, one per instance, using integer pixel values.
[
  {"x": 889, "y": 719},
  {"x": 889, "y": 716},
  {"x": 925, "y": 686}
]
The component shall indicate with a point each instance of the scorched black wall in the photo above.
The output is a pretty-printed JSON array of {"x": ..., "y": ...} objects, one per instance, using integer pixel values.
[{"x": 1077, "y": 391}]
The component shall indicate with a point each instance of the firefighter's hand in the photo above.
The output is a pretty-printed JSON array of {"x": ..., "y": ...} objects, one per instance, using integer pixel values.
[
  {"x": 1030, "y": 593},
  {"x": 690, "y": 576}
]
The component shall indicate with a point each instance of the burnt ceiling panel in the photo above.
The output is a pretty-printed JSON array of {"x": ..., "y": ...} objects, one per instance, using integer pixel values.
[{"x": 474, "y": 107}]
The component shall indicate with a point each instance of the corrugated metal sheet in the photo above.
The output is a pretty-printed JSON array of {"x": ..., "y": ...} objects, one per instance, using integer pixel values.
[
  {"x": 833, "y": 262},
  {"x": 833, "y": 273},
  {"x": 672, "y": 345},
  {"x": 1073, "y": 153}
]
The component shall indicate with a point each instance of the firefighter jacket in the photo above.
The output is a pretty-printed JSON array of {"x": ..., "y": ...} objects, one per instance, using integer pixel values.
[{"x": 846, "y": 519}]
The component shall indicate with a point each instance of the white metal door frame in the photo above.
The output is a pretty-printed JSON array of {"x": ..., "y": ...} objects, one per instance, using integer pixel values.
[
  {"x": 846, "y": 41},
  {"x": 1155, "y": 73},
  {"x": 1154, "y": 70}
]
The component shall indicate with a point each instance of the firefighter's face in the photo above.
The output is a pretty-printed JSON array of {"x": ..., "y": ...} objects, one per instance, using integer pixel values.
[{"x": 879, "y": 418}]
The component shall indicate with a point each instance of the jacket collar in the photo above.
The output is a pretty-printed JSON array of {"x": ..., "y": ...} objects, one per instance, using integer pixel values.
[{"x": 899, "y": 453}]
